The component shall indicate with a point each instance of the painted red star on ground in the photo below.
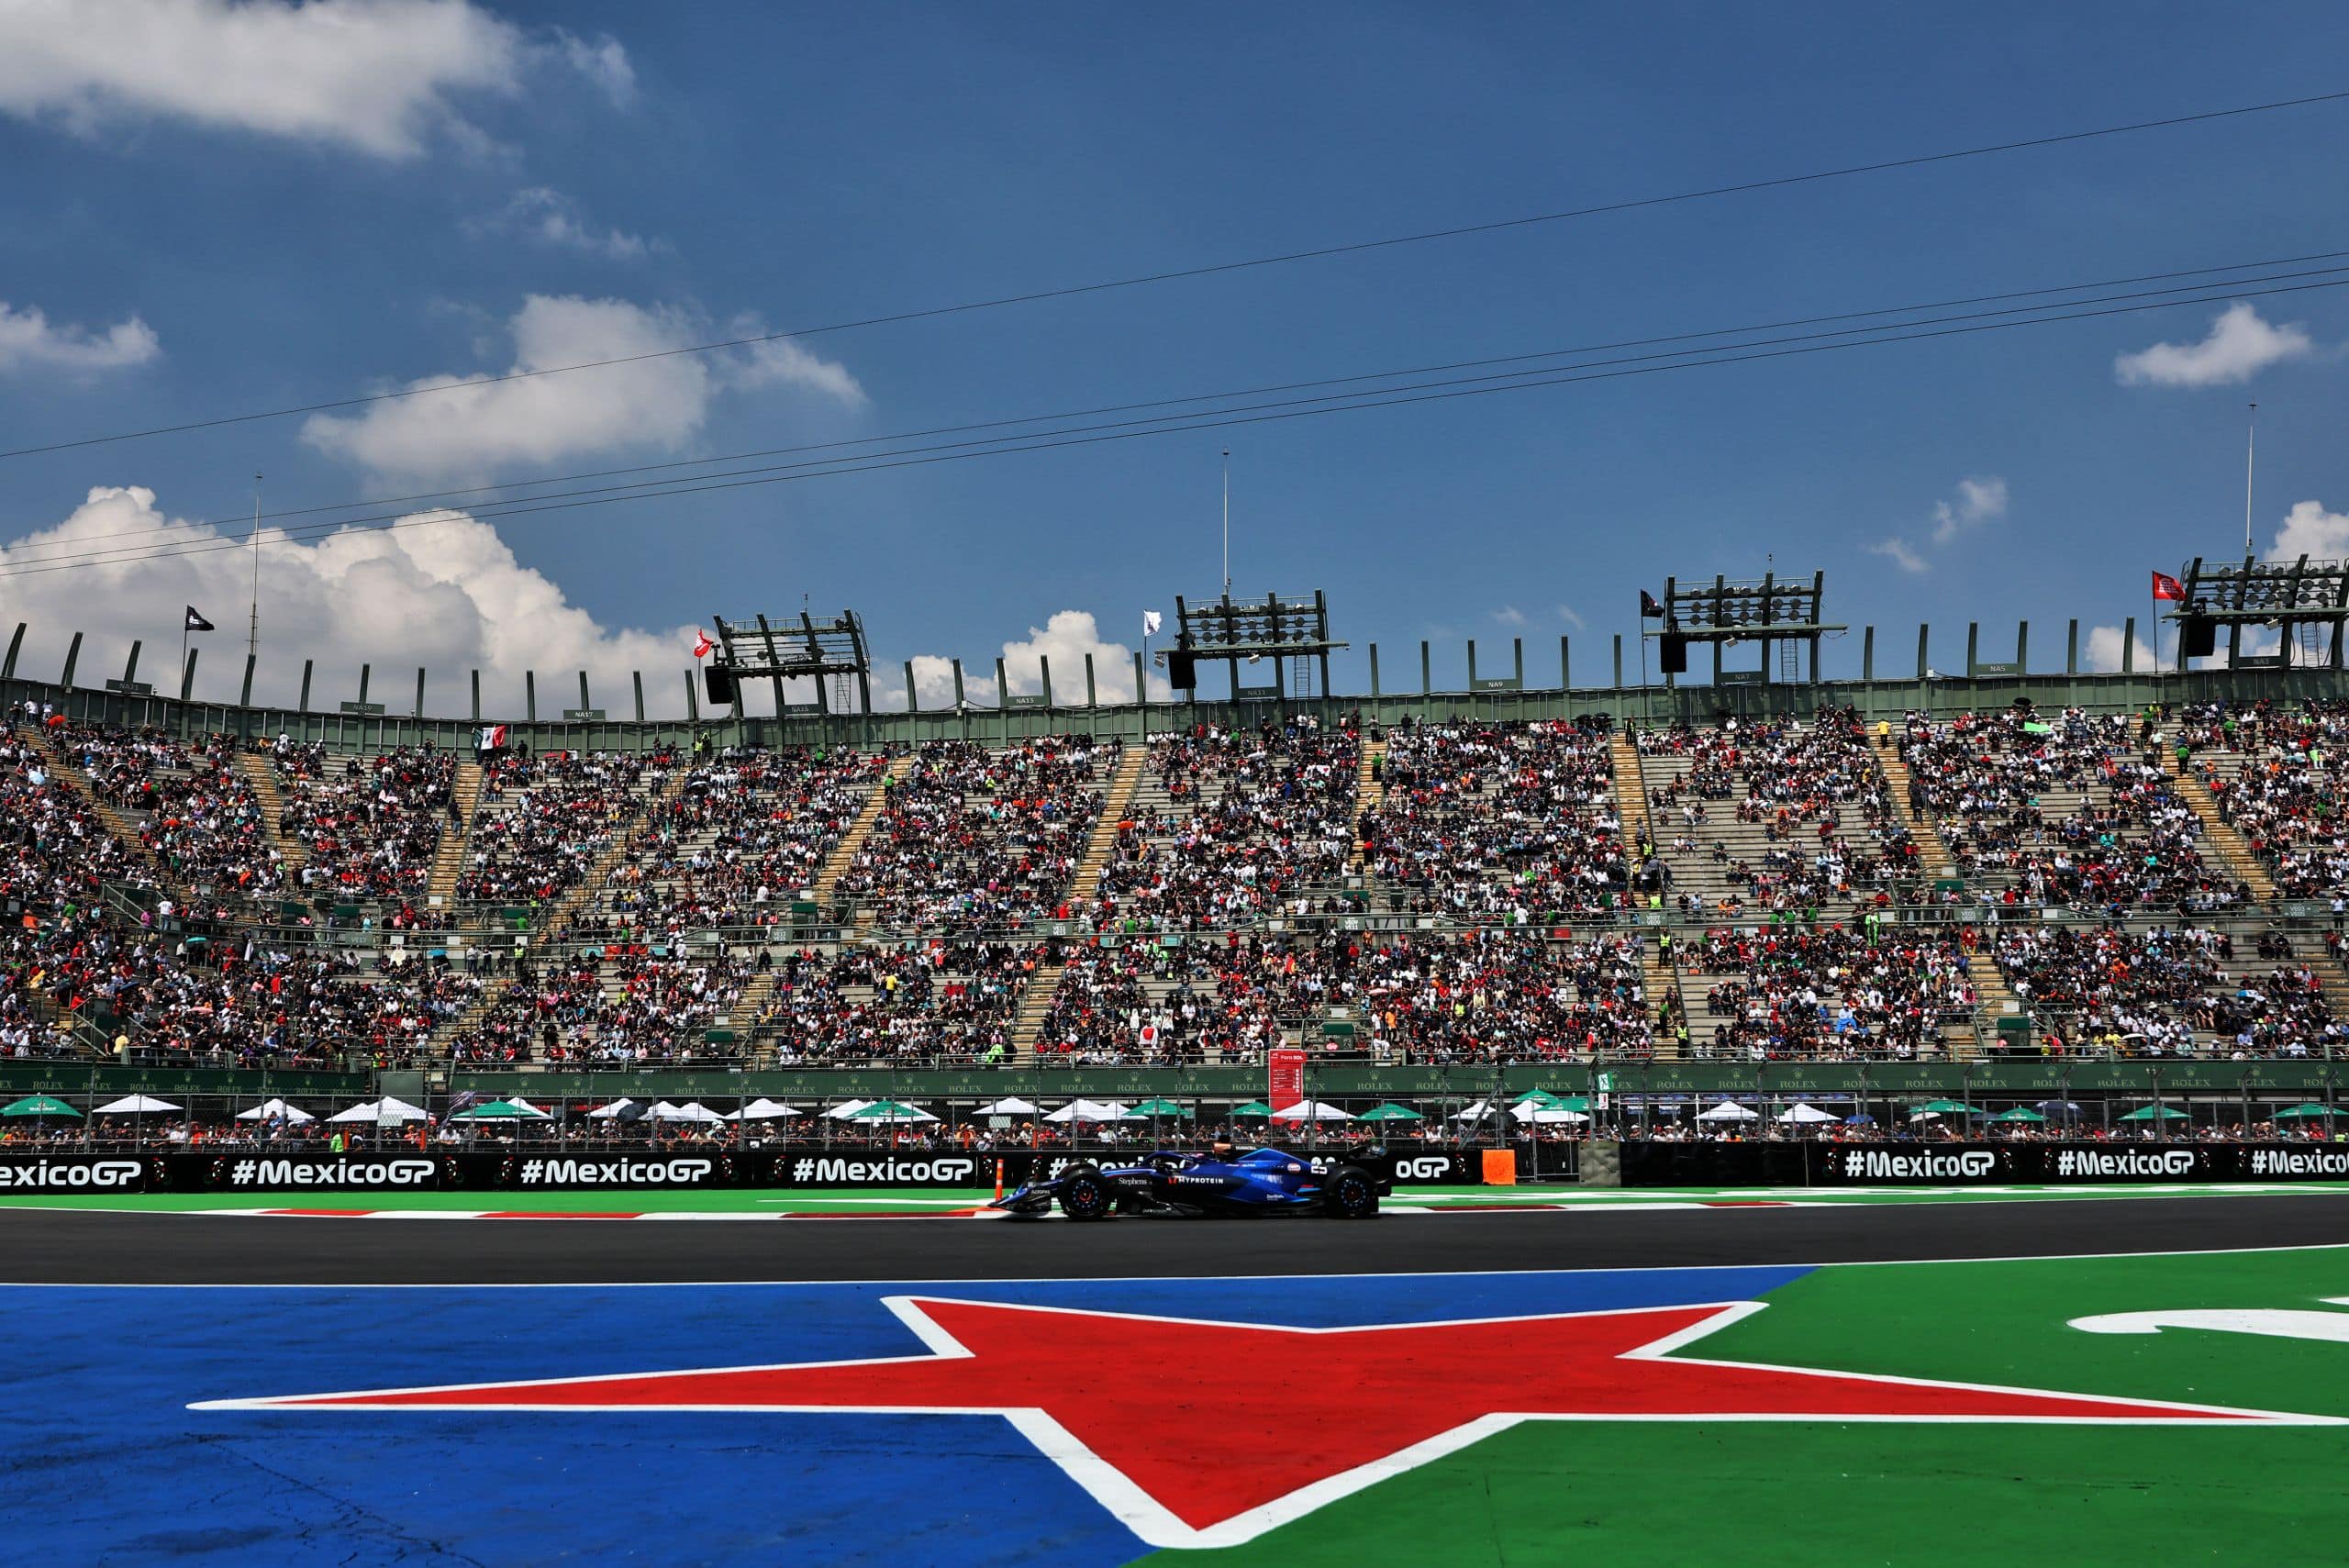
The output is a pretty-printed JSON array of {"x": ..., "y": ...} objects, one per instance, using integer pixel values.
[{"x": 1219, "y": 1429}]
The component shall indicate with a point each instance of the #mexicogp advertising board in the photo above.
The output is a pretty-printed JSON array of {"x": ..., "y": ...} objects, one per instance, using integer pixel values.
[
  {"x": 1963, "y": 1164},
  {"x": 550, "y": 1170}
]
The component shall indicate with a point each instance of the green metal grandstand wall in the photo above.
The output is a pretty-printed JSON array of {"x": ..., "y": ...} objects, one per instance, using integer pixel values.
[{"x": 1066, "y": 700}]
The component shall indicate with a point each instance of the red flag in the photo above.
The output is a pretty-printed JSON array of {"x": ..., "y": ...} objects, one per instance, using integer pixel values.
[
  {"x": 2168, "y": 587},
  {"x": 702, "y": 645}
]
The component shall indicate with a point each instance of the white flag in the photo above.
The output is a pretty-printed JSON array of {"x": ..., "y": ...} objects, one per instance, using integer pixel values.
[{"x": 1150, "y": 623}]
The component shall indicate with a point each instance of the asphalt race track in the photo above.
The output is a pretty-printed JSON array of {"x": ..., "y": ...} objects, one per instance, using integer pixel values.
[{"x": 90, "y": 1248}]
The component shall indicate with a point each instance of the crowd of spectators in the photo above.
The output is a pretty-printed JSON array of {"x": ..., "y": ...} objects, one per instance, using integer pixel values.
[
  {"x": 2283, "y": 788},
  {"x": 617, "y": 1005},
  {"x": 1862, "y": 989},
  {"x": 1510, "y": 819},
  {"x": 2129, "y": 840},
  {"x": 368, "y": 827},
  {"x": 738, "y": 838},
  {"x": 929, "y": 1000},
  {"x": 2167, "y": 991},
  {"x": 1250, "y": 815},
  {"x": 973, "y": 839},
  {"x": 544, "y": 820},
  {"x": 1833, "y": 834},
  {"x": 194, "y": 810}
]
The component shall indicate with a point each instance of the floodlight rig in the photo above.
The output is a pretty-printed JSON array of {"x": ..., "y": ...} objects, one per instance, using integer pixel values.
[
  {"x": 1771, "y": 610},
  {"x": 1274, "y": 628},
  {"x": 2295, "y": 597},
  {"x": 795, "y": 647}
]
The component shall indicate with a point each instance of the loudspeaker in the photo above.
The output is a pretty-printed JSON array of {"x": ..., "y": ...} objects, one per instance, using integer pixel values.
[
  {"x": 2198, "y": 636},
  {"x": 717, "y": 682},
  {"x": 1676, "y": 655},
  {"x": 1183, "y": 670}
]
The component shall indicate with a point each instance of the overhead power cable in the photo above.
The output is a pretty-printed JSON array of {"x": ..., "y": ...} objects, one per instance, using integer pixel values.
[
  {"x": 1215, "y": 268},
  {"x": 1207, "y": 419},
  {"x": 452, "y": 498}
]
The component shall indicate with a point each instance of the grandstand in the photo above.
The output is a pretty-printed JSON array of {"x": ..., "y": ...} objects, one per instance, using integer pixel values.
[{"x": 1962, "y": 872}]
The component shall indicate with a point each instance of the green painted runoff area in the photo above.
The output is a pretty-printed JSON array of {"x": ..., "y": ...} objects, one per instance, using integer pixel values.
[{"x": 1651, "y": 1495}]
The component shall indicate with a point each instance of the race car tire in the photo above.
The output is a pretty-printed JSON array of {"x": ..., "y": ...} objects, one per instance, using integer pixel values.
[
  {"x": 1085, "y": 1196},
  {"x": 1350, "y": 1193}
]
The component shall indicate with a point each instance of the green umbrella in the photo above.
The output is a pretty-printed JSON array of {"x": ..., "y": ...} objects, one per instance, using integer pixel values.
[
  {"x": 500, "y": 1110},
  {"x": 2156, "y": 1113},
  {"x": 2019, "y": 1114},
  {"x": 1390, "y": 1112},
  {"x": 39, "y": 1105},
  {"x": 1543, "y": 1098},
  {"x": 2302, "y": 1113},
  {"x": 1256, "y": 1108},
  {"x": 1948, "y": 1107},
  {"x": 891, "y": 1110},
  {"x": 1149, "y": 1108}
]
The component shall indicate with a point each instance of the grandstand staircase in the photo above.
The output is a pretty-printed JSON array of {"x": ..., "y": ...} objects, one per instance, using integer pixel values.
[
  {"x": 1037, "y": 999},
  {"x": 1370, "y": 793},
  {"x": 1659, "y": 976},
  {"x": 2232, "y": 850},
  {"x": 843, "y": 853},
  {"x": 263, "y": 780},
  {"x": 448, "y": 857},
  {"x": 1931, "y": 853}
]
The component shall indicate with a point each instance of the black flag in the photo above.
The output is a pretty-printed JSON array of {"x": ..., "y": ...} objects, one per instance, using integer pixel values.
[
  {"x": 1649, "y": 608},
  {"x": 197, "y": 622}
]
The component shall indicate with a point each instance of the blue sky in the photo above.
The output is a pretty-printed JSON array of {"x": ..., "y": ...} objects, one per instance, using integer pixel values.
[{"x": 300, "y": 205}]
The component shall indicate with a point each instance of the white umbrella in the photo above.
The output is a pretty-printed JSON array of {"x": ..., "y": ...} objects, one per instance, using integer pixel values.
[
  {"x": 1476, "y": 1112},
  {"x": 764, "y": 1110},
  {"x": 1311, "y": 1110},
  {"x": 1807, "y": 1113},
  {"x": 269, "y": 1109},
  {"x": 614, "y": 1111},
  {"x": 1014, "y": 1105},
  {"x": 1550, "y": 1114},
  {"x": 136, "y": 1105},
  {"x": 1088, "y": 1110},
  {"x": 1728, "y": 1110},
  {"x": 694, "y": 1110},
  {"x": 383, "y": 1110},
  {"x": 846, "y": 1109}
]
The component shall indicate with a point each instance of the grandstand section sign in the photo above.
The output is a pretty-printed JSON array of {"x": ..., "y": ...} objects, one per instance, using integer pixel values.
[
  {"x": 583, "y": 716},
  {"x": 132, "y": 688},
  {"x": 365, "y": 709}
]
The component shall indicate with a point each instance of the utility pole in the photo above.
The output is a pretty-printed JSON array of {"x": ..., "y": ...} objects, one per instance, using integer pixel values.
[{"x": 1226, "y": 522}]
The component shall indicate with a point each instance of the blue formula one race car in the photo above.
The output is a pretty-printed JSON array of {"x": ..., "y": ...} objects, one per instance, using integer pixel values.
[{"x": 1225, "y": 1182}]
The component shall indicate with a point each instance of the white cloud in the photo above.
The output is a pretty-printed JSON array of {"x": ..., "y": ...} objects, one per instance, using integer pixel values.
[
  {"x": 1509, "y": 614},
  {"x": 28, "y": 338},
  {"x": 1566, "y": 614},
  {"x": 602, "y": 61},
  {"x": 1978, "y": 500},
  {"x": 480, "y": 426},
  {"x": 451, "y": 597},
  {"x": 373, "y": 76},
  {"x": 547, "y": 215},
  {"x": 2309, "y": 529},
  {"x": 2239, "y": 345},
  {"x": 1065, "y": 639},
  {"x": 2104, "y": 650},
  {"x": 1901, "y": 553}
]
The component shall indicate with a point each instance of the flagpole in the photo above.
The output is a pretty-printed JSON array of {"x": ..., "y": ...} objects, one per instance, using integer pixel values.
[{"x": 253, "y": 635}]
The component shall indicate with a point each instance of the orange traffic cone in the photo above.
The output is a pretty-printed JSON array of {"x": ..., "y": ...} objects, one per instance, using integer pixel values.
[{"x": 999, "y": 1181}]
